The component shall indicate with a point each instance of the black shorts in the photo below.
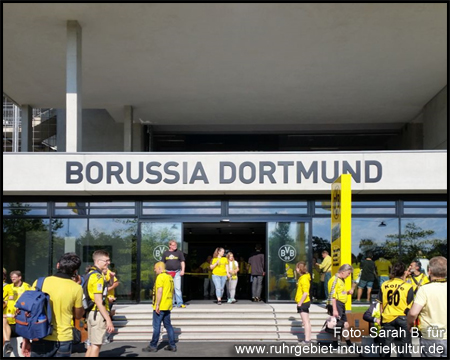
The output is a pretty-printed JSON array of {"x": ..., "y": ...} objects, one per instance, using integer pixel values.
[
  {"x": 304, "y": 308},
  {"x": 341, "y": 310}
]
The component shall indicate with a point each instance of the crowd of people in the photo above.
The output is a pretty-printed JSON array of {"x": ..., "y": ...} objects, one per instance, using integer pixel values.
[{"x": 408, "y": 298}]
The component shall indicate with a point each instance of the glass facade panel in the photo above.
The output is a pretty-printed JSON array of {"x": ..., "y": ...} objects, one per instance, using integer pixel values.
[
  {"x": 180, "y": 211},
  {"x": 321, "y": 232},
  {"x": 182, "y": 208},
  {"x": 418, "y": 210},
  {"x": 288, "y": 244},
  {"x": 25, "y": 208},
  {"x": 271, "y": 211},
  {"x": 181, "y": 203},
  {"x": 267, "y": 207},
  {"x": 25, "y": 246},
  {"x": 154, "y": 241},
  {"x": 117, "y": 236},
  {"x": 423, "y": 237},
  {"x": 378, "y": 236}
]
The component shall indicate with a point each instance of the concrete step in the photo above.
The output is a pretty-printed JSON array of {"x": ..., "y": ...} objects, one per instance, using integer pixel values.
[
  {"x": 206, "y": 321},
  {"x": 219, "y": 322}
]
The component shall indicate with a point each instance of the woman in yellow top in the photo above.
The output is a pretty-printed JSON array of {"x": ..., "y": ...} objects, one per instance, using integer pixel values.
[
  {"x": 302, "y": 298},
  {"x": 220, "y": 273}
]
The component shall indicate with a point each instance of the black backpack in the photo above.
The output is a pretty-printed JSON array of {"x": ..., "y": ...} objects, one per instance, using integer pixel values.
[{"x": 88, "y": 303}]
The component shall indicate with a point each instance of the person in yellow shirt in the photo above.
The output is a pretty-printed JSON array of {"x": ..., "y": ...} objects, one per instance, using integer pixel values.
[
  {"x": 66, "y": 300},
  {"x": 220, "y": 273},
  {"x": 416, "y": 277},
  {"x": 207, "y": 281},
  {"x": 98, "y": 320},
  {"x": 111, "y": 282},
  {"x": 384, "y": 267},
  {"x": 325, "y": 267},
  {"x": 18, "y": 287},
  {"x": 339, "y": 295},
  {"x": 302, "y": 298},
  {"x": 356, "y": 274},
  {"x": 7, "y": 294},
  {"x": 162, "y": 305},
  {"x": 430, "y": 305},
  {"x": 396, "y": 297}
]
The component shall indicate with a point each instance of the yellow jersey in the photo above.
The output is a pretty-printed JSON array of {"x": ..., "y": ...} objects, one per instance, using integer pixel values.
[
  {"x": 303, "y": 285},
  {"x": 7, "y": 293},
  {"x": 339, "y": 293},
  {"x": 395, "y": 303},
  {"x": 325, "y": 266},
  {"x": 356, "y": 271},
  {"x": 96, "y": 285},
  {"x": 164, "y": 281},
  {"x": 107, "y": 279},
  {"x": 220, "y": 270},
  {"x": 206, "y": 269},
  {"x": 11, "y": 307},
  {"x": 65, "y": 294},
  {"x": 417, "y": 281},
  {"x": 383, "y": 266}
]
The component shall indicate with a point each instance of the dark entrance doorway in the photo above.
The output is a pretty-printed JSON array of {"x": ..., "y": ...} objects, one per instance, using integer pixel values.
[{"x": 201, "y": 239}]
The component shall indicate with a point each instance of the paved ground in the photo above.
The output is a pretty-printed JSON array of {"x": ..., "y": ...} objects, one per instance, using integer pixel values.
[{"x": 208, "y": 349}]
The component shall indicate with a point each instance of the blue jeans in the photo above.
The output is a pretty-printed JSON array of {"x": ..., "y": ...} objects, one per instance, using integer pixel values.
[
  {"x": 46, "y": 348},
  {"x": 177, "y": 295},
  {"x": 219, "y": 283},
  {"x": 325, "y": 283},
  {"x": 163, "y": 317},
  {"x": 382, "y": 279}
]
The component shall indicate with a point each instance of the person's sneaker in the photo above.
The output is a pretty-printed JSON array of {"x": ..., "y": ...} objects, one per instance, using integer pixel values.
[
  {"x": 229, "y": 301},
  {"x": 170, "y": 348},
  {"x": 149, "y": 349},
  {"x": 233, "y": 301},
  {"x": 8, "y": 349},
  {"x": 182, "y": 306},
  {"x": 219, "y": 302},
  {"x": 254, "y": 299}
]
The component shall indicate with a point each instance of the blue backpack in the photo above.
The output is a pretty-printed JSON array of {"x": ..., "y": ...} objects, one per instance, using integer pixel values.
[{"x": 34, "y": 313}]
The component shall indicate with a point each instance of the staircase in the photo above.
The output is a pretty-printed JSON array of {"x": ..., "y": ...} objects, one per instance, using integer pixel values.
[{"x": 207, "y": 321}]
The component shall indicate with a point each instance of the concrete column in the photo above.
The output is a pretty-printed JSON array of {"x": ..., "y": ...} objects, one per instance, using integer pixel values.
[
  {"x": 138, "y": 138},
  {"x": 61, "y": 130},
  {"x": 27, "y": 129},
  {"x": 128, "y": 129},
  {"x": 435, "y": 124},
  {"x": 73, "y": 87}
]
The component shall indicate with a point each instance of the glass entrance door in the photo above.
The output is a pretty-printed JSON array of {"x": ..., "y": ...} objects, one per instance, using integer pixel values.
[
  {"x": 155, "y": 238},
  {"x": 288, "y": 243}
]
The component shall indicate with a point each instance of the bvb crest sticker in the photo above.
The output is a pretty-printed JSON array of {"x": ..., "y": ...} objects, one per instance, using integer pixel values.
[{"x": 287, "y": 253}]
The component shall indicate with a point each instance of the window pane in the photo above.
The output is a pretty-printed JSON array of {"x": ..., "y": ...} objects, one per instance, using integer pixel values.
[
  {"x": 25, "y": 209},
  {"x": 182, "y": 203},
  {"x": 274, "y": 211},
  {"x": 288, "y": 244},
  {"x": 25, "y": 246},
  {"x": 117, "y": 236},
  {"x": 181, "y": 211},
  {"x": 423, "y": 237}
]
